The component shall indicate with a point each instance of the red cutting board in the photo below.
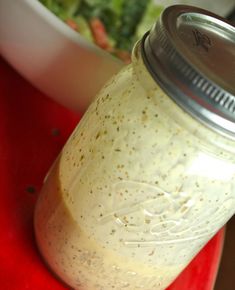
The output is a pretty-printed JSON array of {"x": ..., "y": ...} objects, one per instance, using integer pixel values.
[{"x": 33, "y": 130}]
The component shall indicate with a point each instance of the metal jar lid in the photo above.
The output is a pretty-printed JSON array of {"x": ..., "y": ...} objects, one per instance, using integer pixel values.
[{"x": 190, "y": 52}]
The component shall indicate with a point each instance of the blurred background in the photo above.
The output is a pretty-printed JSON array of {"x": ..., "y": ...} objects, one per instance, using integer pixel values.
[
  {"x": 116, "y": 25},
  {"x": 221, "y": 7},
  {"x": 226, "y": 275}
]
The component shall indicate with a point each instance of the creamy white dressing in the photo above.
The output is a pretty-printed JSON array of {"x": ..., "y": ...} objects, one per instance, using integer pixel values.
[{"x": 136, "y": 191}]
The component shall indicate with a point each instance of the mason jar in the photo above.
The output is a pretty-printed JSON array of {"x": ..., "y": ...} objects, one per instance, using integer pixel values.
[{"x": 148, "y": 175}]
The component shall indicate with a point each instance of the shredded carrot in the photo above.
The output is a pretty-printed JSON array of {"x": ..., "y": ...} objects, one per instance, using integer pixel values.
[
  {"x": 71, "y": 23},
  {"x": 99, "y": 33}
]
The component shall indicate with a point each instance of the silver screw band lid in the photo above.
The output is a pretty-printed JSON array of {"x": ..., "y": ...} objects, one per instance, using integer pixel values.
[{"x": 190, "y": 52}]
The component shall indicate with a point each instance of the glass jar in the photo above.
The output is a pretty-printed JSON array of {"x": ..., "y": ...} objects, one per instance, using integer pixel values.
[{"x": 148, "y": 175}]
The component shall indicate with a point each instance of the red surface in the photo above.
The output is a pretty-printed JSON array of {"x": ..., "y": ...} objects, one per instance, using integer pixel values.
[{"x": 28, "y": 145}]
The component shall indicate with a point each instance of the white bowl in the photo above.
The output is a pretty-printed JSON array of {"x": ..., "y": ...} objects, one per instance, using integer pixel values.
[{"x": 52, "y": 56}]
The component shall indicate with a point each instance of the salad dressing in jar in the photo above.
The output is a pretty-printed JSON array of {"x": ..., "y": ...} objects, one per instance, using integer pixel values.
[{"x": 148, "y": 176}]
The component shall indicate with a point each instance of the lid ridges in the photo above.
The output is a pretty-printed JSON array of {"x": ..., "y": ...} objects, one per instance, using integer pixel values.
[{"x": 193, "y": 62}]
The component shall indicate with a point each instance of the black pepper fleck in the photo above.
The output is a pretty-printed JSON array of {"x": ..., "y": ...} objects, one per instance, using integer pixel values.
[
  {"x": 55, "y": 132},
  {"x": 31, "y": 189}
]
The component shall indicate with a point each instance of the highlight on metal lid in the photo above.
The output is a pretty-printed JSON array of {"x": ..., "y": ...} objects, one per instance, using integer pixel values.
[{"x": 190, "y": 52}]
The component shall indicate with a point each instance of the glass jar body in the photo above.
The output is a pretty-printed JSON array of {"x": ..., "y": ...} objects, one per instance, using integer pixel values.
[{"x": 136, "y": 192}]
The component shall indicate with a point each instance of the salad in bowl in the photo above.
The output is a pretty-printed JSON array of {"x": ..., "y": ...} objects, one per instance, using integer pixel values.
[{"x": 113, "y": 25}]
